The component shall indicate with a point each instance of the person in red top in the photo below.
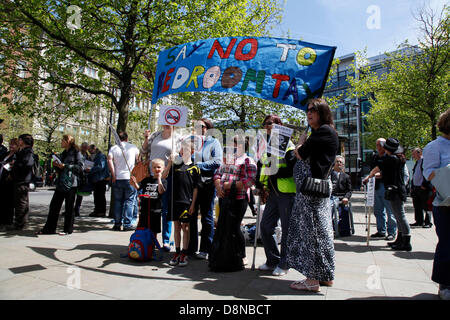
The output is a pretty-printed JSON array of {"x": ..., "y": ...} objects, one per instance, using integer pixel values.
[{"x": 240, "y": 170}]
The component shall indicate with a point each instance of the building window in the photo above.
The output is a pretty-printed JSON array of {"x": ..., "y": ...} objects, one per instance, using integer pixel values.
[{"x": 21, "y": 68}]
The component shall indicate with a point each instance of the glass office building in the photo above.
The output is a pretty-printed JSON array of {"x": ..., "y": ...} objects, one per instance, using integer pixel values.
[{"x": 349, "y": 116}]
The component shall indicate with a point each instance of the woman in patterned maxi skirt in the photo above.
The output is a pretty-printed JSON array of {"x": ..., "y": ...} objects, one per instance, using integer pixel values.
[{"x": 310, "y": 235}]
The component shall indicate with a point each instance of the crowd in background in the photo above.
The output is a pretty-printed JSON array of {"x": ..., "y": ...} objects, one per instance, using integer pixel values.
[{"x": 179, "y": 181}]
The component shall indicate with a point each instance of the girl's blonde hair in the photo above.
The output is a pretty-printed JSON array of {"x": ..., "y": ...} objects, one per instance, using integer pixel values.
[{"x": 158, "y": 160}]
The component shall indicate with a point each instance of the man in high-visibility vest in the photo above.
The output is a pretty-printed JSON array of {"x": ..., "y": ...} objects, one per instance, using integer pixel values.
[{"x": 276, "y": 178}]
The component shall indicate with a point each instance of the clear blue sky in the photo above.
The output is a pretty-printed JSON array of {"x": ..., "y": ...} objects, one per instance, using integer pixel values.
[{"x": 352, "y": 25}]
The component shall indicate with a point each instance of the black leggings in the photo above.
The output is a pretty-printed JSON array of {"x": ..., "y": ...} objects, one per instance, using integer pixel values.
[{"x": 55, "y": 208}]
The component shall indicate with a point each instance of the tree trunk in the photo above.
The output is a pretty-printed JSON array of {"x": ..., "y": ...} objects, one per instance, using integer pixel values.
[
  {"x": 122, "y": 110},
  {"x": 48, "y": 149},
  {"x": 122, "y": 122},
  {"x": 125, "y": 86},
  {"x": 433, "y": 126}
]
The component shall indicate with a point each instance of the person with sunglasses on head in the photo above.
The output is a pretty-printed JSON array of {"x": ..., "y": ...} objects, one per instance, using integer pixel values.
[
  {"x": 279, "y": 184},
  {"x": 310, "y": 234}
]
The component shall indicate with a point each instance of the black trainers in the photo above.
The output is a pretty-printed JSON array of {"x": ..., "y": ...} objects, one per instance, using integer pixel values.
[
  {"x": 116, "y": 228},
  {"x": 378, "y": 235},
  {"x": 415, "y": 224},
  {"x": 427, "y": 225}
]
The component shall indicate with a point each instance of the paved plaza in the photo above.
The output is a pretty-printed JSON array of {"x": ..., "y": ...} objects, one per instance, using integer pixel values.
[{"x": 89, "y": 265}]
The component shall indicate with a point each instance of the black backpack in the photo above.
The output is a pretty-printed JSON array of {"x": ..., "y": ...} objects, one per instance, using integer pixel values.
[{"x": 36, "y": 168}]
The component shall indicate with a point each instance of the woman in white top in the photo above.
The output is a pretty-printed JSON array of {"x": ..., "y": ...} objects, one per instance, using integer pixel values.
[{"x": 159, "y": 145}]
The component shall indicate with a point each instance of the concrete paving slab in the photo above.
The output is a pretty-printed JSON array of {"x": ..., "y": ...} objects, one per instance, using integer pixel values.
[
  {"x": 21, "y": 286},
  {"x": 42, "y": 266},
  {"x": 398, "y": 289}
]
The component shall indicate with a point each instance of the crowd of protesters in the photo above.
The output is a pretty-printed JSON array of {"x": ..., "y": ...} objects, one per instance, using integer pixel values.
[{"x": 173, "y": 179}]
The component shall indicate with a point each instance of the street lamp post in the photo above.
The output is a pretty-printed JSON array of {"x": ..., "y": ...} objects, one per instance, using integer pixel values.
[
  {"x": 358, "y": 134},
  {"x": 347, "y": 104}
]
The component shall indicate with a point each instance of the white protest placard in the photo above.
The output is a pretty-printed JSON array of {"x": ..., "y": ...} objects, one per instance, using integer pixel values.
[
  {"x": 87, "y": 164},
  {"x": 56, "y": 159},
  {"x": 370, "y": 201},
  {"x": 173, "y": 116},
  {"x": 279, "y": 140},
  {"x": 259, "y": 146}
]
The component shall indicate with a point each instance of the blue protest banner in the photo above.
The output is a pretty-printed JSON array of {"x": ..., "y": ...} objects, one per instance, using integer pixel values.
[{"x": 282, "y": 70}]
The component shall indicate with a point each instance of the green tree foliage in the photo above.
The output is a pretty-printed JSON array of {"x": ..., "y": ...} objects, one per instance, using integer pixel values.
[
  {"x": 242, "y": 112},
  {"x": 408, "y": 99},
  {"x": 117, "y": 41}
]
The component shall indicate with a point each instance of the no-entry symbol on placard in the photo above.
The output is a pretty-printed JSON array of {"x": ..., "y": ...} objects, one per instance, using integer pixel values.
[{"x": 172, "y": 116}]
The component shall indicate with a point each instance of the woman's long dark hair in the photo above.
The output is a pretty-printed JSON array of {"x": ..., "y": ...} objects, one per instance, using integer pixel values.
[{"x": 321, "y": 107}]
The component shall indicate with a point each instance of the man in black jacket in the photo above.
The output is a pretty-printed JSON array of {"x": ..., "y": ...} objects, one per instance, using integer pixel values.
[
  {"x": 421, "y": 190},
  {"x": 3, "y": 149},
  {"x": 342, "y": 191},
  {"x": 22, "y": 175}
]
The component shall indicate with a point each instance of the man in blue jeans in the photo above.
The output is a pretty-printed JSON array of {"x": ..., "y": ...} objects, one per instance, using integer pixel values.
[
  {"x": 121, "y": 159},
  {"x": 207, "y": 159},
  {"x": 382, "y": 208}
]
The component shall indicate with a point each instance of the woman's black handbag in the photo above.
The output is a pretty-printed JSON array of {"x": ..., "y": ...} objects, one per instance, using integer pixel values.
[{"x": 314, "y": 187}]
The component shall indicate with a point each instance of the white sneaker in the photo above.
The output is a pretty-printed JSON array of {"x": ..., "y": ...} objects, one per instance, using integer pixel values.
[
  {"x": 201, "y": 255},
  {"x": 279, "y": 272},
  {"x": 265, "y": 267}
]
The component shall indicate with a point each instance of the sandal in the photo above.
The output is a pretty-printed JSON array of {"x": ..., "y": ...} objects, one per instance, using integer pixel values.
[
  {"x": 302, "y": 285},
  {"x": 326, "y": 283}
]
